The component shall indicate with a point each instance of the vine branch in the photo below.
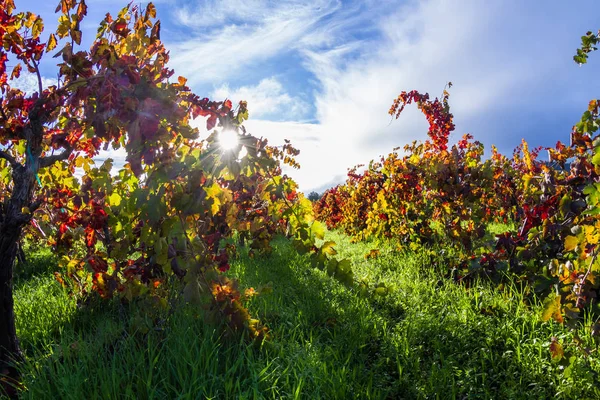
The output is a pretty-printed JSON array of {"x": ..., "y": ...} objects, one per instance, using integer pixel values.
[
  {"x": 11, "y": 160},
  {"x": 49, "y": 160}
]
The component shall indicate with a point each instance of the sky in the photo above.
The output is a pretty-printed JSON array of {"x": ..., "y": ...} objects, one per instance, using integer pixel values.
[{"x": 324, "y": 73}]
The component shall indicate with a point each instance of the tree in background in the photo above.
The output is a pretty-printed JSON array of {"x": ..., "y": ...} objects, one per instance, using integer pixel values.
[{"x": 314, "y": 196}]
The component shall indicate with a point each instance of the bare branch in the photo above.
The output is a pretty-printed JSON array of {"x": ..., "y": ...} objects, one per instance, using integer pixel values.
[
  {"x": 11, "y": 160},
  {"x": 39, "y": 76},
  {"x": 49, "y": 160}
]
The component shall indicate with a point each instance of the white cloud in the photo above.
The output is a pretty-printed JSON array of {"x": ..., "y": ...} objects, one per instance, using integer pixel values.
[
  {"x": 299, "y": 133},
  {"x": 267, "y": 98},
  {"x": 422, "y": 45},
  {"x": 28, "y": 82},
  {"x": 358, "y": 77}
]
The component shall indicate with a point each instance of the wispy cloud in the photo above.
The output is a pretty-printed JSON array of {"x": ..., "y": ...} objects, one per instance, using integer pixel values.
[
  {"x": 212, "y": 13},
  {"x": 225, "y": 39}
]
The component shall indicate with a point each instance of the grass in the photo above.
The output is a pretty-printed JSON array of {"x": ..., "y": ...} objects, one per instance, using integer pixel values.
[{"x": 428, "y": 338}]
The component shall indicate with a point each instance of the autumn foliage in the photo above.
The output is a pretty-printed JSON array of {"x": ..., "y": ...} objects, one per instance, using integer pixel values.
[
  {"x": 167, "y": 224},
  {"x": 155, "y": 228},
  {"x": 434, "y": 194}
]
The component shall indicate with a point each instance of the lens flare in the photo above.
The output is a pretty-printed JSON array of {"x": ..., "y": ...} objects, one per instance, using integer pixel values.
[{"x": 228, "y": 139}]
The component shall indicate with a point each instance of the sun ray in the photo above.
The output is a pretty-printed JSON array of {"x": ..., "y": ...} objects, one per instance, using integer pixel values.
[{"x": 228, "y": 139}]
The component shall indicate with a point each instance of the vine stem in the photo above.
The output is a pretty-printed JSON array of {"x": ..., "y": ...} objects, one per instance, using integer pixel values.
[{"x": 584, "y": 278}]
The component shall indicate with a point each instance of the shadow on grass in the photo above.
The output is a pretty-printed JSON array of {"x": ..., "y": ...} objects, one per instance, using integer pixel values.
[
  {"x": 422, "y": 341},
  {"x": 329, "y": 341},
  {"x": 427, "y": 340},
  {"x": 122, "y": 350}
]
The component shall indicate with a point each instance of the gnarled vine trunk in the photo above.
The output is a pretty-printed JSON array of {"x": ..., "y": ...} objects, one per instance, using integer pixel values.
[
  {"x": 9, "y": 344},
  {"x": 12, "y": 221}
]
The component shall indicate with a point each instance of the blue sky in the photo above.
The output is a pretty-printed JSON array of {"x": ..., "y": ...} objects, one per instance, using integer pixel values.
[{"x": 324, "y": 73}]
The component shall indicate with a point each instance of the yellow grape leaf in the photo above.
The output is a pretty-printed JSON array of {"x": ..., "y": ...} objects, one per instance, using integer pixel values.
[
  {"x": 552, "y": 309},
  {"x": 214, "y": 192},
  {"x": 527, "y": 155},
  {"x": 592, "y": 278},
  {"x": 215, "y": 206},
  {"x": 51, "y": 45},
  {"x": 37, "y": 28},
  {"x": 318, "y": 228},
  {"x": 526, "y": 179},
  {"x": 592, "y": 235},
  {"x": 63, "y": 26},
  {"x": 328, "y": 248},
  {"x": 114, "y": 200},
  {"x": 571, "y": 243}
]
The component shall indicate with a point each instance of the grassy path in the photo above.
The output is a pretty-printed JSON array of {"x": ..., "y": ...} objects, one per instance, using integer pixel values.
[{"x": 427, "y": 338}]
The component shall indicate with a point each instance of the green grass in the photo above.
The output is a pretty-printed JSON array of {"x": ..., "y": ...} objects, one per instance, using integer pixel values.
[{"x": 428, "y": 338}]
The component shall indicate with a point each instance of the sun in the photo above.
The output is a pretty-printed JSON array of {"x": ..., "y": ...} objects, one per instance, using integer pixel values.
[{"x": 228, "y": 139}]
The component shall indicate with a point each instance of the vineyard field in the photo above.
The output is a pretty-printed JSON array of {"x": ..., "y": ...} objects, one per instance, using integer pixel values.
[
  {"x": 159, "y": 244},
  {"x": 426, "y": 336}
]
